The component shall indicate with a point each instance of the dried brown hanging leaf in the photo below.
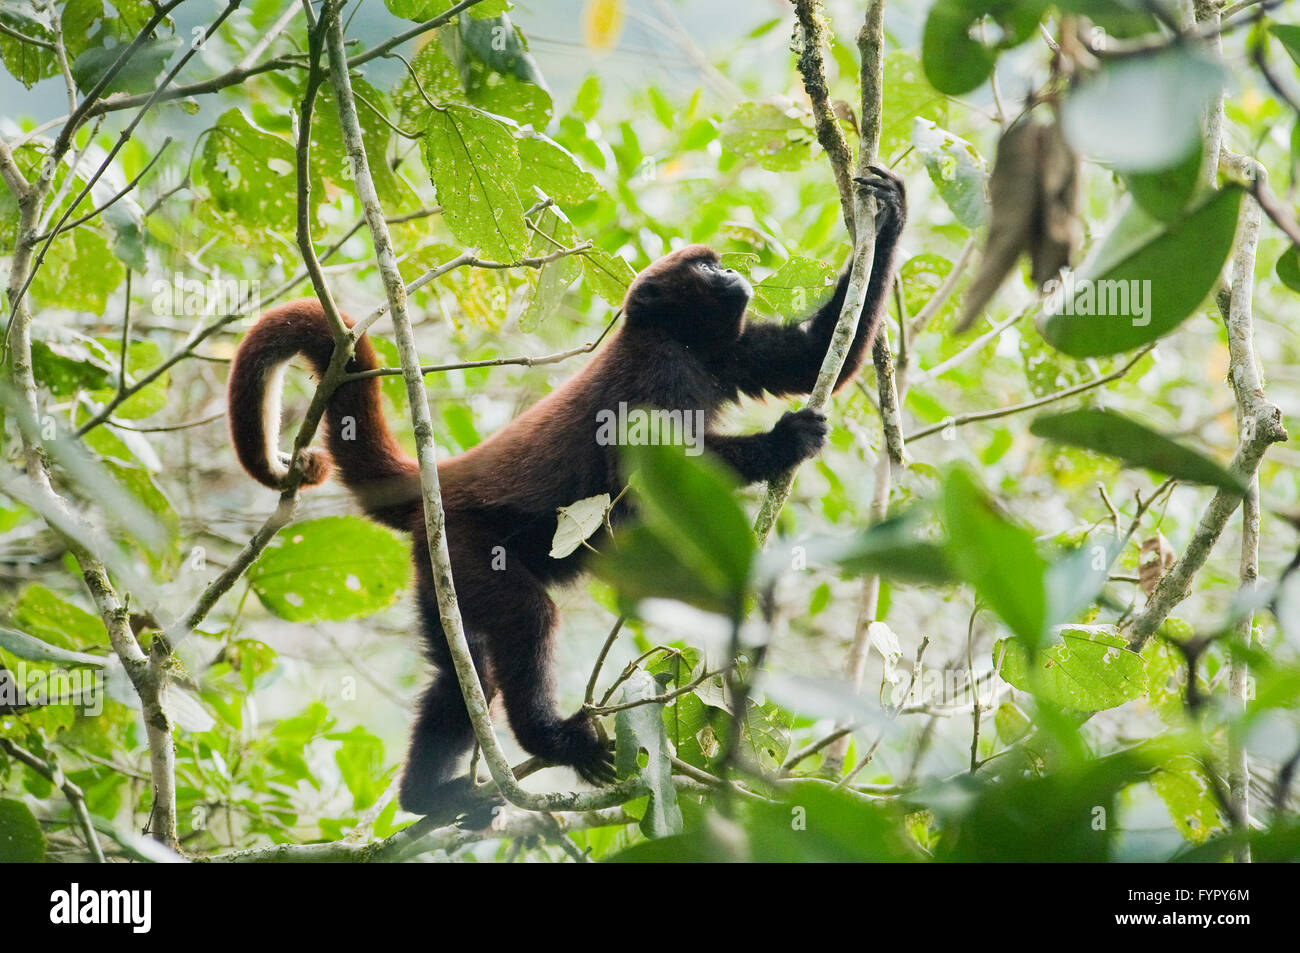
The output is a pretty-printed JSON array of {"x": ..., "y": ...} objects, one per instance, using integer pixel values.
[
  {"x": 1034, "y": 193},
  {"x": 844, "y": 113},
  {"x": 1061, "y": 231},
  {"x": 1156, "y": 558}
]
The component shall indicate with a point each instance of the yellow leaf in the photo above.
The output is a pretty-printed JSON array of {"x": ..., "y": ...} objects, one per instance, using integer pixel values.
[{"x": 602, "y": 23}]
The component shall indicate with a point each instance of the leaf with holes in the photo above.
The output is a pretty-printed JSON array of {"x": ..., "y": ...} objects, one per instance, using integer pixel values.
[
  {"x": 335, "y": 568},
  {"x": 1089, "y": 669},
  {"x": 642, "y": 729},
  {"x": 473, "y": 161}
]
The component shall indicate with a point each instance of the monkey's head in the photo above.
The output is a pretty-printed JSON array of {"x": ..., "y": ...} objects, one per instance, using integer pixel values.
[{"x": 689, "y": 296}]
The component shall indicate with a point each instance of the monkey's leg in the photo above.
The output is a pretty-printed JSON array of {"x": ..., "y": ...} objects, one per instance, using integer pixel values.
[
  {"x": 442, "y": 733},
  {"x": 519, "y": 635}
]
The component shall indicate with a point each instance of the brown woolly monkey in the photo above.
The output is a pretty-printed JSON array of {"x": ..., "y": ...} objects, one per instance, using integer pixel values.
[{"x": 684, "y": 345}]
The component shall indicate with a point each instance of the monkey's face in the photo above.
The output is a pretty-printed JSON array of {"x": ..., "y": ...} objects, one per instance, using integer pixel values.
[{"x": 691, "y": 297}]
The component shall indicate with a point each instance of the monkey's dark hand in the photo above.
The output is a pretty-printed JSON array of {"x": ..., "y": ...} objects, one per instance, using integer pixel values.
[
  {"x": 798, "y": 436},
  {"x": 891, "y": 197},
  {"x": 589, "y": 752}
]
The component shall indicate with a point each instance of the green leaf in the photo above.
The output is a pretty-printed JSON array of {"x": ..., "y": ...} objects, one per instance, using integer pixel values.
[
  {"x": 1115, "y": 435},
  {"x": 794, "y": 287},
  {"x": 27, "y": 62},
  {"x": 644, "y": 566},
  {"x": 24, "y": 646},
  {"x": 21, "y": 840},
  {"x": 1065, "y": 816},
  {"x": 329, "y": 158},
  {"x": 83, "y": 275},
  {"x": 813, "y": 822},
  {"x": 997, "y": 557},
  {"x": 549, "y": 167},
  {"x": 1165, "y": 193},
  {"x": 138, "y": 75},
  {"x": 1089, "y": 669},
  {"x": 1289, "y": 36},
  {"x": 954, "y": 63},
  {"x": 957, "y": 170},
  {"x": 361, "y": 762},
  {"x": 473, "y": 161},
  {"x": 910, "y": 98},
  {"x": 1189, "y": 796},
  {"x": 234, "y": 164},
  {"x": 607, "y": 275},
  {"x": 1011, "y": 723},
  {"x": 45, "y": 615},
  {"x": 693, "y": 542},
  {"x": 776, "y": 137},
  {"x": 421, "y": 10},
  {"x": 1168, "y": 270},
  {"x": 1143, "y": 113},
  {"x": 576, "y": 522},
  {"x": 642, "y": 729},
  {"x": 891, "y": 548},
  {"x": 552, "y": 280},
  {"x": 71, "y": 364},
  {"x": 690, "y": 503},
  {"x": 335, "y": 568},
  {"x": 1288, "y": 268}
]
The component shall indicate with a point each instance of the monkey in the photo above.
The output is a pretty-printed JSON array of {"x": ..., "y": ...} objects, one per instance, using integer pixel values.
[{"x": 684, "y": 343}]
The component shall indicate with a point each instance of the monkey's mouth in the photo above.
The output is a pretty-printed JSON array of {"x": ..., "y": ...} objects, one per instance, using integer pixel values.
[{"x": 736, "y": 286}]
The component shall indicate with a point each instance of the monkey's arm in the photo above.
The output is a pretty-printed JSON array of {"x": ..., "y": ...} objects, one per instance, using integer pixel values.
[
  {"x": 761, "y": 456},
  {"x": 785, "y": 359}
]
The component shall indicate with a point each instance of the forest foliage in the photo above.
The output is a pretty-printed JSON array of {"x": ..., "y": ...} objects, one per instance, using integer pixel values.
[{"x": 1069, "y": 615}]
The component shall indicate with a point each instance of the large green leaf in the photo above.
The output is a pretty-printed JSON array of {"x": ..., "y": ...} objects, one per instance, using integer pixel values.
[
  {"x": 1165, "y": 193},
  {"x": 1143, "y": 113},
  {"x": 1142, "y": 286},
  {"x": 1189, "y": 797},
  {"x": 21, "y": 840},
  {"x": 693, "y": 542},
  {"x": 893, "y": 548},
  {"x": 638, "y": 729},
  {"x": 1288, "y": 267},
  {"x": 774, "y": 136},
  {"x": 474, "y": 162},
  {"x": 997, "y": 557},
  {"x": 421, "y": 10},
  {"x": 47, "y": 616},
  {"x": 690, "y": 503},
  {"x": 794, "y": 287},
  {"x": 955, "y": 62},
  {"x": 335, "y": 568},
  {"x": 553, "y": 169},
  {"x": 1137, "y": 445},
  {"x": 1289, "y": 36},
  {"x": 1089, "y": 669},
  {"x": 251, "y": 172}
]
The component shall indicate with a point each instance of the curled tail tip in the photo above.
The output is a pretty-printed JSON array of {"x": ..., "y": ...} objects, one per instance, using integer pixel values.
[{"x": 315, "y": 467}]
